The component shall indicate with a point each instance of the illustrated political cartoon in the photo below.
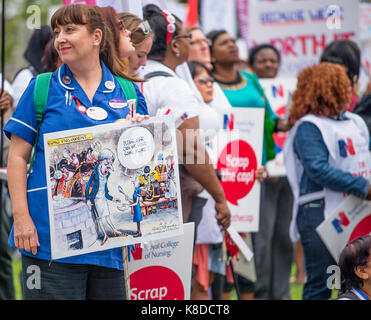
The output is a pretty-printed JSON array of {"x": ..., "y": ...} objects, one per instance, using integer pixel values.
[{"x": 112, "y": 185}]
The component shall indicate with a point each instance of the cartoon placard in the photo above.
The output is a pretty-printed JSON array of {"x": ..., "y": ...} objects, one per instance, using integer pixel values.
[
  {"x": 349, "y": 221},
  {"x": 112, "y": 185},
  {"x": 162, "y": 269}
]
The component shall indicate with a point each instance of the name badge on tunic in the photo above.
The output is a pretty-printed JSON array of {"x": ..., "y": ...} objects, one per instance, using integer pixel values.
[
  {"x": 109, "y": 85},
  {"x": 117, "y": 103},
  {"x": 96, "y": 113},
  {"x": 66, "y": 79}
]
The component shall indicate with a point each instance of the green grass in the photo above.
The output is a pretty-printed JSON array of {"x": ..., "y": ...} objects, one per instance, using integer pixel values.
[
  {"x": 17, "y": 268},
  {"x": 295, "y": 289}
]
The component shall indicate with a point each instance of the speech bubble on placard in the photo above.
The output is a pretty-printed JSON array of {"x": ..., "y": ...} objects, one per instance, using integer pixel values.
[
  {"x": 237, "y": 164},
  {"x": 135, "y": 147},
  {"x": 361, "y": 229}
]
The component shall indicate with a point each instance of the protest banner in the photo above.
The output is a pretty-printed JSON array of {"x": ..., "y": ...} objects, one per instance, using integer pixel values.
[
  {"x": 112, "y": 185},
  {"x": 278, "y": 92},
  {"x": 162, "y": 269},
  {"x": 218, "y": 14},
  {"x": 239, "y": 152},
  {"x": 300, "y": 30},
  {"x": 349, "y": 221},
  {"x": 364, "y": 21},
  {"x": 365, "y": 45}
]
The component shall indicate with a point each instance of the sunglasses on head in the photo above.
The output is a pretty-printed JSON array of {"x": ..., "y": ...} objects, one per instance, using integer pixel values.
[
  {"x": 205, "y": 80},
  {"x": 145, "y": 27}
]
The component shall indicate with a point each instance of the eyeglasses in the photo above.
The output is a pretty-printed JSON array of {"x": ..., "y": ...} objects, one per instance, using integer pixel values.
[
  {"x": 205, "y": 80},
  {"x": 145, "y": 27},
  {"x": 201, "y": 41},
  {"x": 187, "y": 36}
]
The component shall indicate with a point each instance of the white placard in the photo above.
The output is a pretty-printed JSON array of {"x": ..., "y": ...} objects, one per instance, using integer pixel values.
[
  {"x": 349, "y": 221},
  {"x": 240, "y": 243},
  {"x": 162, "y": 269},
  {"x": 239, "y": 152},
  {"x": 242, "y": 266}
]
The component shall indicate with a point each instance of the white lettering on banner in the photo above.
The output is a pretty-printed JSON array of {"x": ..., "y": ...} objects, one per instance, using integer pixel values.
[
  {"x": 154, "y": 293},
  {"x": 230, "y": 176},
  {"x": 246, "y": 177},
  {"x": 237, "y": 162}
]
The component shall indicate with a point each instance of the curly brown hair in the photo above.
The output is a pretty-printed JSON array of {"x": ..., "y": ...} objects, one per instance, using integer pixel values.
[{"x": 322, "y": 90}]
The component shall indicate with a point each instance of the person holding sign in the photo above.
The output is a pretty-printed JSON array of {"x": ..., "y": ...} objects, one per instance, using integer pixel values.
[
  {"x": 208, "y": 255},
  {"x": 167, "y": 93},
  {"x": 243, "y": 90},
  {"x": 79, "y": 95},
  {"x": 327, "y": 158},
  {"x": 273, "y": 247}
]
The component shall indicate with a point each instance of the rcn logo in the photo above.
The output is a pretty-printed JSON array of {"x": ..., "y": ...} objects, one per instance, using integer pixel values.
[
  {"x": 346, "y": 148},
  {"x": 228, "y": 122},
  {"x": 341, "y": 221},
  {"x": 135, "y": 251}
]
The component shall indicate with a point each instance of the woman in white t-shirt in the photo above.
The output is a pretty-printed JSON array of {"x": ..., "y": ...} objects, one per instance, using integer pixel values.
[
  {"x": 208, "y": 255},
  {"x": 166, "y": 92}
]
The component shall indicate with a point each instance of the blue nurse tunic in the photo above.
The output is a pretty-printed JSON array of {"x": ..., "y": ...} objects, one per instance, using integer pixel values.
[{"x": 61, "y": 113}]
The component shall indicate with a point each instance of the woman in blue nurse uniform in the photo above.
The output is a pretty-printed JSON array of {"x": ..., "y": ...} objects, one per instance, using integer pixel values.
[{"x": 85, "y": 80}]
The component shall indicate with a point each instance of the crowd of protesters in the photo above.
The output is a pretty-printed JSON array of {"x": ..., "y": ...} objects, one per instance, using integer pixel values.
[{"x": 183, "y": 70}]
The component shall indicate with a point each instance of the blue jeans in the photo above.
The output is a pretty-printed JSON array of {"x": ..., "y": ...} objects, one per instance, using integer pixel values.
[
  {"x": 317, "y": 257},
  {"x": 42, "y": 280}
]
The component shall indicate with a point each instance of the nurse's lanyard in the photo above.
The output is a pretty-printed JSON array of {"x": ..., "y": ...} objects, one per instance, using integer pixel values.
[{"x": 79, "y": 106}]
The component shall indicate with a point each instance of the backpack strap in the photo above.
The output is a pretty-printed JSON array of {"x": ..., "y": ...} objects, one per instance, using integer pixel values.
[
  {"x": 41, "y": 93},
  {"x": 127, "y": 88},
  {"x": 157, "y": 74}
]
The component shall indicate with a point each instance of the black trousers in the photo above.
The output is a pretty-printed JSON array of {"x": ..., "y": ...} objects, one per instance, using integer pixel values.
[{"x": 42, "y": 280}]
